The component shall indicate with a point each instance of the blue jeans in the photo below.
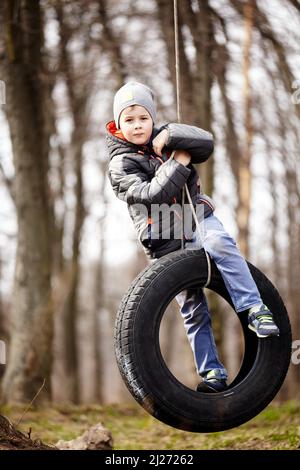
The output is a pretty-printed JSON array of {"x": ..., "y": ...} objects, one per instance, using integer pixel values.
[{"x": 237, "y": 278}]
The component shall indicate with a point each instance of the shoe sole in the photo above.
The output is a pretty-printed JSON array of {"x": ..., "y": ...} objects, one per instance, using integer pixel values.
[
  {"x": 262, "y": 336},
  {"x": 207, "y": 389}
]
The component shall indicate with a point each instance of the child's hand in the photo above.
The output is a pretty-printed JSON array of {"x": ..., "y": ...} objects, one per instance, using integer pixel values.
[
  {"x": 160, "y": 141},
  {"x": 183, "y": 157}
]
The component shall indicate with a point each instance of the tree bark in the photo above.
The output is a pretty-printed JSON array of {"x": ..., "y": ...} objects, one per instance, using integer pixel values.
[
  {"x": 31, "y": 336},
  {"x": 198, "y": 76},
  {"x": 111, "y": 45},
  {"x": 244, "y": 200},
  {"x": 165, "y": 16},
  {"x": 78, "y": 102},
  {"x": 293, "y": 271}
]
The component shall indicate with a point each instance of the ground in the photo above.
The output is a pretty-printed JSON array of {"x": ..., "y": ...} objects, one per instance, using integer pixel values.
[{"x": 278, "y": 427}]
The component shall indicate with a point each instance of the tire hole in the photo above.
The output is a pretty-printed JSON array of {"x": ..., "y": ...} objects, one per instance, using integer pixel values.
[{"x": 177, "y": 352}]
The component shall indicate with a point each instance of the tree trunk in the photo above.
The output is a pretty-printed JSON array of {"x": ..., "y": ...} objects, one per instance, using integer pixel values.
[
  {"x": 243, "y": 210},
  {"x": 293, "y": 272},
  {"x": 199, "y": 81},
  {"x": 31, "y": 336},
  {"x": 99, "y": 295},
  {"x": 111, "y": 45},
  {"x": 78, "y": 102},
  {"x": 165, "y": 16}
]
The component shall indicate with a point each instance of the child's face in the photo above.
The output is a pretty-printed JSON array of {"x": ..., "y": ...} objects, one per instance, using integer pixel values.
[{"x": 136, "y": 124}]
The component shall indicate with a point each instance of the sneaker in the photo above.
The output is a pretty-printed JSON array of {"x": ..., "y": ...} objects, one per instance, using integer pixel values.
[
  {"x": 262, "y": 323},
  {"x": 212, "y": 384}
]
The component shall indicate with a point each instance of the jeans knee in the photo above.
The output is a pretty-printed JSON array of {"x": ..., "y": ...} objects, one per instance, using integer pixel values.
[{"x": 220, "y": 245}]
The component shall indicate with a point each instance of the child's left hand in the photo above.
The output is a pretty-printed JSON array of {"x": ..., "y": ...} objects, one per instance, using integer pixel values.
[{"x": 160, "y": 141}]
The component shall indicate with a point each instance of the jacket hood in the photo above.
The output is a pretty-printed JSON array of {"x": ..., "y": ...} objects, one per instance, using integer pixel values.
[
  {"x": 116, "y": 142},
  {"x": 112, "y": 129}
]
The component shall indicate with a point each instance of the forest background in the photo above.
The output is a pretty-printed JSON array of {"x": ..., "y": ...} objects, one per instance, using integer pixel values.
[{"x": 68, "y": 251}]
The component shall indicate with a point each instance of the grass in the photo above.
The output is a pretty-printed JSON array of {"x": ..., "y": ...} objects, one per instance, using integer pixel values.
[{"x": 276, "y": 428}]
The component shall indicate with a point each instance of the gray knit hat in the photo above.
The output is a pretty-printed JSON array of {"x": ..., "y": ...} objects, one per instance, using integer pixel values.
[{"x": 134, "y": 93}]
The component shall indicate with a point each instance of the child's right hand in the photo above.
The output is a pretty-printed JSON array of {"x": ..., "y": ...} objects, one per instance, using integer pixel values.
[
  {"x": 160, "y": 141},
  {"x": 183, "y": 157}
]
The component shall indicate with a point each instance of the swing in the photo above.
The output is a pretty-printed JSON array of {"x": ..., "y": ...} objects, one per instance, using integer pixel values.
[{"x": 140, "y": 361}]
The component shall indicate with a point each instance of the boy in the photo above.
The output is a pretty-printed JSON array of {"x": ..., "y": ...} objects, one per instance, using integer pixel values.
[{"x": 142, "y": 175}]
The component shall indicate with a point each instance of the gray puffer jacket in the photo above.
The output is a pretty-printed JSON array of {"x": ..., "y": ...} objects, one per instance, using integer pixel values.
[{"x": 140, "y": 178}]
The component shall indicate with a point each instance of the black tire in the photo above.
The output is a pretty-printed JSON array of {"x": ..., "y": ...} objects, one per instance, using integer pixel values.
[{"x": 149, "y": 380}]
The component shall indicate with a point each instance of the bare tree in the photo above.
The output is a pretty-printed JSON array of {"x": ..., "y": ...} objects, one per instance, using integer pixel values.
[
  {"x": 243, "y": 210},
  {"x": 79, "y": 92},
  {"x": 211, "y": 54},
  {"x": 21, "y": 66}
]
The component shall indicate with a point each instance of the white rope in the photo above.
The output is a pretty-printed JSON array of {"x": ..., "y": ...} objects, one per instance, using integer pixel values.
[
  {"x": 194, "y": 213},
  {"x": 185, "y": 189},
  {"x": 178, "y": 101},
  {"x": 208, "y": 269},
  {"x": 177, "y": 61}
]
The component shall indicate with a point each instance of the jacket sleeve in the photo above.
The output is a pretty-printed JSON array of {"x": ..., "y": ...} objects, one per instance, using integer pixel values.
[
  {"x": 196, "y": 141},
  {"x": 133, "y": 186}
]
